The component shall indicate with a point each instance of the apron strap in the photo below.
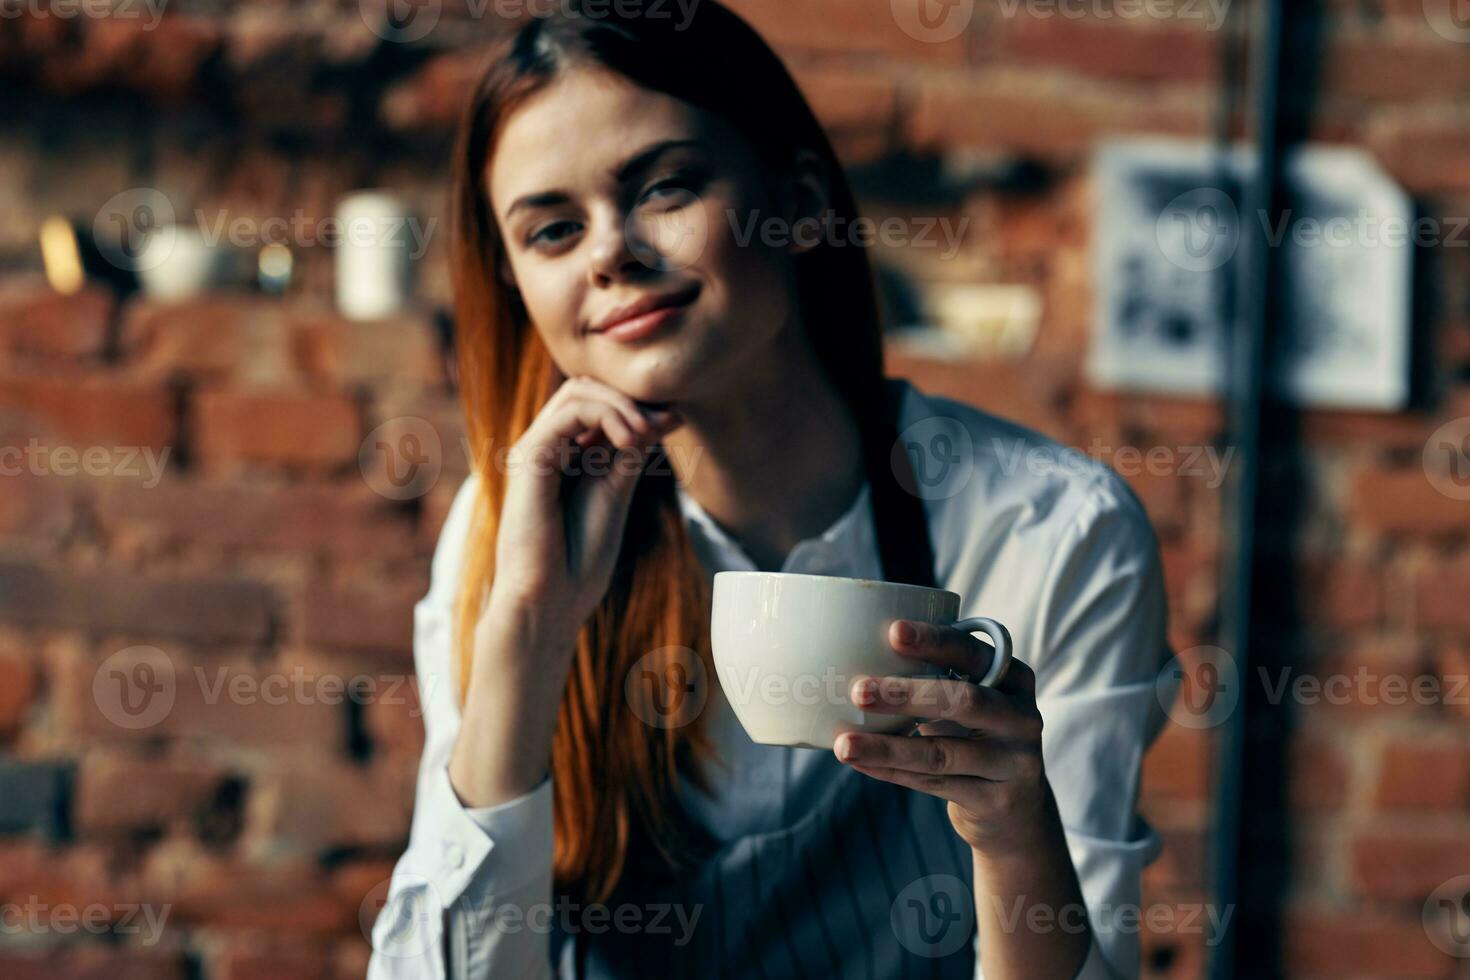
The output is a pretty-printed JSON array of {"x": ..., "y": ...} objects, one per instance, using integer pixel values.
[{"x": 898, "y": 513}]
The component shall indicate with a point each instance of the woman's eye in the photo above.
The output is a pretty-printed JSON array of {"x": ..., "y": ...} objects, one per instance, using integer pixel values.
[
  {"x": 552, "y": 233},
  {"x": 679, "y": 185}
]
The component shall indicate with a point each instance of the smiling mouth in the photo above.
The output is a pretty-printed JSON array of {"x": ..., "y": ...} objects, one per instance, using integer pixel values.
[
  {"x": 648, "y": 304},
  {"x": 644, "y": 317}
]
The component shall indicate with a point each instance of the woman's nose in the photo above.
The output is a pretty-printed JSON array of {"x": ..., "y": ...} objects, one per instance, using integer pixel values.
[{"x": 615, "y": 255}]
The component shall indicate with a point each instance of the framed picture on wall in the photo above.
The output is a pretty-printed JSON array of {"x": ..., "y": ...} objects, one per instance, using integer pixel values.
[{"x": 1169, "y": 225}]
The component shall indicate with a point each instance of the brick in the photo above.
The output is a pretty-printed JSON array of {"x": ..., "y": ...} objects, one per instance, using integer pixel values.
[
  {"x": 1426, "y": 153},
  {"x": 846, "y": 26},
  {"x": 212, "y": 702},
  {"x": 1031, "y": 227},
  {"x": 1376, "y": 431},
  {"x": 76, "y": 874},
  {"x": 17, "y": 690},
  {"x": 91, "y": 410},
  {"x": 196, "y": 608},
  {"x": 1354, "y": 680},
  {"x": 1452, "y": 666},
  {"x": 162, "y": 60},
  {"x": 1422, "y": 775},
  {"x": 33, "y": 796},
  {"x": 1033, "y": 117},
  {"x": 118, "y": 792},
  {"x": 354, "y": 880},
  {"x": 1190, "y": 574},
  {"x": 247, "y": 961},
  {"x": 1031, "y": 398},
  {"x": 289, "y": 897},
  {"x": 1404, "y": 501},
  {"x": 846, "y": 98},
  {"x": 93, "y": 962},
  {"x": 1404, "y": 865},
  {"x": 35, "y": 505},
  {"x": 1164, "y": 496},
  {"x": 1319, "y": 778},
  {"x": 342, "y": 352},
  {"x": 38, "y": 323},
  {"x": 1441, "y": 592},
  {"x": 1112, "y": 49},
  {"x": 1355, "y": 942},
  {"x": 345, "y": 520},
  {"x": 1343, "y": 594},
  {"x": 285, "y": 429},
  {"x": 210, "y": 338},
  {"x": 312, "y": 804},
  {"x": 1183, "y": 423},
  {"x": 1400, "y": 66},
  {"x": 354, "y": 618},
  {"x": 394, "y": 720},
  {"x": 1181, "y": 863},
  {"x": 1179, "y": 765},
  {"x": 433, "y": 96}
]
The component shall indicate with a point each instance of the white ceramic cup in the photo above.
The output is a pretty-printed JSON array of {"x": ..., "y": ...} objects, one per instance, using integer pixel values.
[{"x": 787, "y": 647}]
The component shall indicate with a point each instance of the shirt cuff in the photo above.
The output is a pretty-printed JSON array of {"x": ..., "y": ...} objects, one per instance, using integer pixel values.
[{"x": 472, "y": 839}]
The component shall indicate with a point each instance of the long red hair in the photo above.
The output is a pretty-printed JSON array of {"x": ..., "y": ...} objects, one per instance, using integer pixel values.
[{"x": 614, "y": 776}]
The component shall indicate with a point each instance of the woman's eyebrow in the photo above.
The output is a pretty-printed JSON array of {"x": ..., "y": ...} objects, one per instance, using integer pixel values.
[{"x": 638, "y": 161}]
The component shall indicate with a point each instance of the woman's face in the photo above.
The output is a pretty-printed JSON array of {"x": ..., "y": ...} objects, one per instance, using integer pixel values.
[{"x": 609, "y": 195}]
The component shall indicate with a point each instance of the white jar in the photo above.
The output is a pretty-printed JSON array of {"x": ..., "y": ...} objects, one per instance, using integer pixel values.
[{"x": 372, "y": 255}]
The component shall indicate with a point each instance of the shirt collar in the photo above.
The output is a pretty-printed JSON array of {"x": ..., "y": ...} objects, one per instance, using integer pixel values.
[{"x": 840, "y": 547}]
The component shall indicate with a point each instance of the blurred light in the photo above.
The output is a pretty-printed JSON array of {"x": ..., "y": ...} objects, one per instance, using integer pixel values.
[
  {"x": 275, "y": 266},
  {"x": 61, "y": 255}
]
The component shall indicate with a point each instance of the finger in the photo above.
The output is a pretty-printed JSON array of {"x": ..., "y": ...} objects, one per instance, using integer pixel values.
[
  {"x": 959, "y": 789},
  {"x": 936, "y": 698},
  {"x": 942, "y": 728},
  {"x": 936, "y": 755},
  {"x": 636, "y": 419},
  {"x": 578, "y": 416},
  {"x": 1019, "y": 679},
  {"x": 964, "y": 653}
]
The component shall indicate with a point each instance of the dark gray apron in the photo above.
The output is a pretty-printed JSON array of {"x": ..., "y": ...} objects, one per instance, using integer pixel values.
[{"x": 872, "y": 883}]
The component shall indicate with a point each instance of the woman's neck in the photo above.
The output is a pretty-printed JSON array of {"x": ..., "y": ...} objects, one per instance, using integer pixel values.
[{"x": 776, "y": 458}]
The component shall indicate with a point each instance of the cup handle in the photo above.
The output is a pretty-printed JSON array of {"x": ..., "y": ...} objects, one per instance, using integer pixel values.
[{"x": 998, "y": 636}]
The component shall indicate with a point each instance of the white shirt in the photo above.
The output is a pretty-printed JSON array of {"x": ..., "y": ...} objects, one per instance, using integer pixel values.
[{"x": 1037, "y": 536}]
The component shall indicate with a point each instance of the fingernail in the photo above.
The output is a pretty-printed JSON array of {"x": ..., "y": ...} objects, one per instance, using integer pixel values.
[
  {"x": 906, "y": 632},
  {"x": 845, "y": 748},
  {"x": 865, "y": 691}
]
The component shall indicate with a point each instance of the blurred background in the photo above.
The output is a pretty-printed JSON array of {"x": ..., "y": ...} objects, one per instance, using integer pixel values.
[{"x": 1160, "y": 232}]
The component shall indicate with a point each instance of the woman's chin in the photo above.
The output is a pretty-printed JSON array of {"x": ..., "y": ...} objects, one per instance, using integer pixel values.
[{"x": 652, "y": 376}]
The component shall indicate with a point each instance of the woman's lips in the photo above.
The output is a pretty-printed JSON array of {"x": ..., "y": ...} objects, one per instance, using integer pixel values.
[{"x": 642, "y": 326}]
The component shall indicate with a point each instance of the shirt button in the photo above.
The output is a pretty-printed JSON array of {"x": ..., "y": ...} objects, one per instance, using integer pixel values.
[{"x": 453, "y": 855}]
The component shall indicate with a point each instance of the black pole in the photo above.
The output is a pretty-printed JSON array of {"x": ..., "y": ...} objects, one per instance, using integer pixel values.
[{"x": 1245, "y": 391}]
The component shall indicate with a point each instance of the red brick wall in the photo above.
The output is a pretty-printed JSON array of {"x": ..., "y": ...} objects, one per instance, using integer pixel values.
[{"x": 265, "y": 563}]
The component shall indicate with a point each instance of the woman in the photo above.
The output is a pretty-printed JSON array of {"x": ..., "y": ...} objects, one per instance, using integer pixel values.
[{"x": 609, "y": 297}]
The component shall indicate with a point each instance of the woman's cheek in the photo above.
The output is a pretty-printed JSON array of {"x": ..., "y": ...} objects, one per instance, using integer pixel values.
[{"x": 675, "y": 238}]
